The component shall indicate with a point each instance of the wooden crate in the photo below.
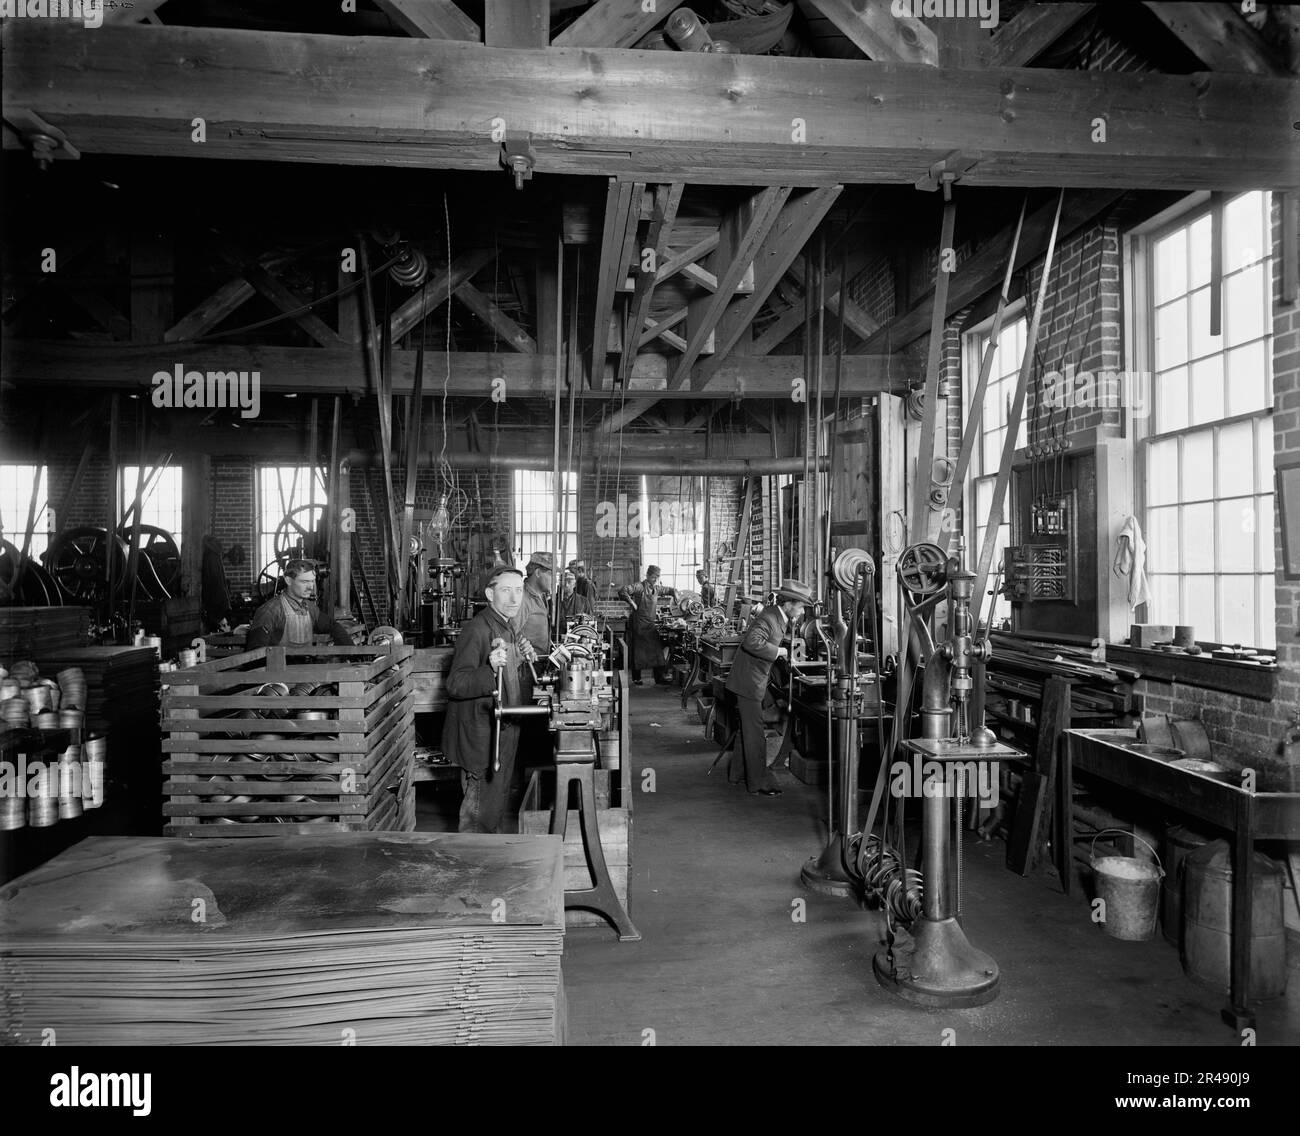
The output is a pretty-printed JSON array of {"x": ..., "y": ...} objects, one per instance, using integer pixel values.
[
  {"x": 614, "y": 815},
  {"x": 359, "y": 767}
]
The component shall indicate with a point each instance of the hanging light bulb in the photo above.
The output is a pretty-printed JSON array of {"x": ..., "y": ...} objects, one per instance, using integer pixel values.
[{"x": 440, "y": 522}]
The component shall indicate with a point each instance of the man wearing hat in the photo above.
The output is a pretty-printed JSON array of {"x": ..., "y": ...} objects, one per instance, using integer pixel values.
[
  {"x": 747, "y": 680},
  {"x": 644, "y": 644},
  {"x": 535, "y": 610},
  {"x": 583, "y": 586},
  {"x": 489, "y": 643}
]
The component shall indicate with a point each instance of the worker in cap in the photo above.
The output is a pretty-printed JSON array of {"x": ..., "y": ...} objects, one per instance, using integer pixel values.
[
  {"x": 747, "y": 681},
  {"x": 583, "y": 585},
  {"x": 645, "y": 645},
  {"x": 535, "y": 620}
]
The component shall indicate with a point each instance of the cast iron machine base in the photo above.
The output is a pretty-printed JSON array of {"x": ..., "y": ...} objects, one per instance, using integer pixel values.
[{"x": 939, "y": 968}]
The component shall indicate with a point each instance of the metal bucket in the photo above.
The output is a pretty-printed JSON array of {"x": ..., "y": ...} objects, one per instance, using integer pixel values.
[
  {"x": 1130, "y": 890},
  {"x": 1207, "y": 928},
  {"x": 1180, "y": 842}
]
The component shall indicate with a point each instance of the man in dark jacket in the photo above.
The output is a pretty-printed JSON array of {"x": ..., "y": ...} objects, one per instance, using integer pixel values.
[
  {"x": 747, "y": 680},
  {"x": 583, "y": 585},
  {"x": 291, "y": 617},
  {"x": 488, "y": 643}
]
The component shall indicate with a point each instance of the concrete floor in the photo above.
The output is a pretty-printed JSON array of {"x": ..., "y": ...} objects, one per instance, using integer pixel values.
[{"x": 714, "y": 884}]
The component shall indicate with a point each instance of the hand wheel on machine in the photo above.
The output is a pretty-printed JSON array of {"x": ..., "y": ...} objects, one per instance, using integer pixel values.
[{"x": 923, "y": 569}]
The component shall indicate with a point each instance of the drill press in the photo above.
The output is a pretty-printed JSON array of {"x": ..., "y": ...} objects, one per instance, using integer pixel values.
[{"x": 940, "y": 967}]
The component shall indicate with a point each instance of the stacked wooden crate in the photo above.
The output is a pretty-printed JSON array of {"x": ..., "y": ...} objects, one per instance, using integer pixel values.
[{"x": 285, "y": 740}]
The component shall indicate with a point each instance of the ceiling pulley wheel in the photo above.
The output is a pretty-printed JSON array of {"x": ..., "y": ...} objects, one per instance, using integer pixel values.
[
  {"x": 79, "y": 559},
  {"x": 923, "y": 569}
]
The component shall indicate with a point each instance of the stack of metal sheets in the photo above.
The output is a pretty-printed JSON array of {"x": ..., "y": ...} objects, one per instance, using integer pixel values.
[{"x": 371, "y": 938}]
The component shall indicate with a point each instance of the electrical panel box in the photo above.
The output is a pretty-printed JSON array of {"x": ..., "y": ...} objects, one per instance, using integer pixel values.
[{"x": 1044, "y": 566}]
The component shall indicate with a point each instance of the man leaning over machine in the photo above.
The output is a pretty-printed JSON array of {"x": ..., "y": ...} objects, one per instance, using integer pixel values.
[{"x": 747, "y": 680}]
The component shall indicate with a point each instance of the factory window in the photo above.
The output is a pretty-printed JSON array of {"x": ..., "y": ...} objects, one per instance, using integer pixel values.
[
  {"x": 672, "y": 529},
  {"x": 987, "y": 455},
  {"x": 290, "y": 512},
  {"x": 162, "y": 505},
  {"x": 16, "y": 483},
  {"x": 1206, "y": 457},
  {"x": 535, "y": 520}
]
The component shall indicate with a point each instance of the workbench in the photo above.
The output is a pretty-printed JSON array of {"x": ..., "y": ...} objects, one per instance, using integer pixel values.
[{"x": 1272, "y": 812}]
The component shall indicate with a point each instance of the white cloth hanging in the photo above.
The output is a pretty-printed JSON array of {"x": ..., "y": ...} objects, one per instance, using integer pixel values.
[{"x": 1131, "y": 561}]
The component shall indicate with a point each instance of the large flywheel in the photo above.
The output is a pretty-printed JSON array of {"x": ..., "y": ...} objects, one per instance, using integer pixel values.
[
  {"x": 79, "y": 558},
  {"x": 298, "y": 535},
  {"x": 158, "y": 548}
]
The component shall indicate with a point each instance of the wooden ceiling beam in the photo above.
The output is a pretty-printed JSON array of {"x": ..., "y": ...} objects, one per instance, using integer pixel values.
[
  {"x": 517, "y": 23},
  {"x": 338, "y": 370},
  {"x": 667, "y": 200},
  {"x": 743, "y": 234},
  {"x": 855, "y": 319},
  {"x": 790, "y": 232},
  {"x": 986, "y": 268},
  {"x": 612, "y": 23},
  {"x": 432, "y": 19},
  {"x": 654, "y": 116},
  {"x": 1031, "y": 31},
  {"x": 1219, "y": 37},
  {"x": 879, "y": 33},
  {"x": 207, "y": 315},
  {"x": 434, "y": 293},
  {"x": 622, "y": 209},
  {"x": 509, "y": 332},
  {"x": 130, "y": 14},
  {"x": 288, "y": 302}
]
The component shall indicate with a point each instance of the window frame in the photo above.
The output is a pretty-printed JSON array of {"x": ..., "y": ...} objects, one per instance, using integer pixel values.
[
  {"x": 696, "y": 536},
  {"x": 543, "y": 541},
  {"x": 259, "y": 470},
  {"x": 1139, "y": 325},
  {"x": 126, "y": 494},
  {"x": 973, "y": 341},
  {"x": 17, "y": 525}
]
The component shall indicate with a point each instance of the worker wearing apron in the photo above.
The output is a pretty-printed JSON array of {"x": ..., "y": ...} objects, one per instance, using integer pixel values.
[
  {"x": 292, "y": 617},
  {"x": 645, "y": 645}
]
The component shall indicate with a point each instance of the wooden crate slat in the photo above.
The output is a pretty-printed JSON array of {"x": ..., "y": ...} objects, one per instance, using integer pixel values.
[
  {"x": 353, "y": 663},
  {"x": 245, "y": 699},
  {"x": 350, "y": 741}
]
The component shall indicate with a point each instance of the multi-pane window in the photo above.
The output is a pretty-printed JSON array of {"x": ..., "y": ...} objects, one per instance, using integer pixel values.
[
  {"x": 162, "y": 505},
  {"x": 987, "y": 455},
  {"x": 16, "y": 482},
  {"x": 535, "y": 519},
  {"x": 290, "y": 503},
  {"x": 1208, "y": 453},
  {"x": 672, "y": 529}
]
